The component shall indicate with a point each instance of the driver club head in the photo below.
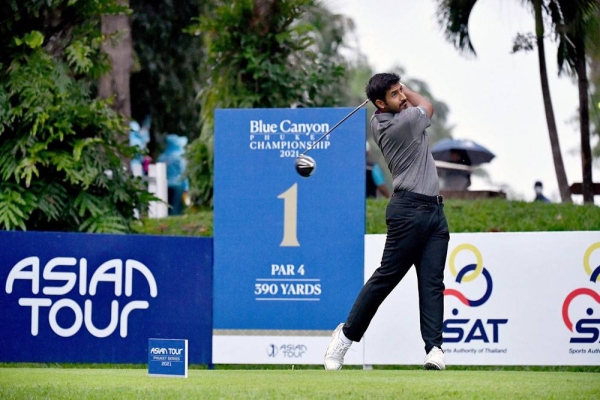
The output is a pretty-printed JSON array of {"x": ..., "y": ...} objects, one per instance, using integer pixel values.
[{"x": 305, "y": 165}]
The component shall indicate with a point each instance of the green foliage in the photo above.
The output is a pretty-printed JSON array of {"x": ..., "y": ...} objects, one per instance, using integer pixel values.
[
  {"x": 259, "y": 57},
  {"x": 195, "y": 222},
  {"x": 576, "y": 22},
  {"x": 169, "y": 65},
  {"x": 61, "y": 164},
  {"x": 200, "y": 169},
  {"x": 265, "y": 60},
  {"x": 453, "y": 18},
  {"x": 33, "y": 39}
]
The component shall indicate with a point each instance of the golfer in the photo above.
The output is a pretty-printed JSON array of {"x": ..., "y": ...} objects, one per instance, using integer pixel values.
[{"x": 417, "y": 231}]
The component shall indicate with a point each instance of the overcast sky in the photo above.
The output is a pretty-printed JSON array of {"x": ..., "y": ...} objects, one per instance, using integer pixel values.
[{"x": 495, "y": 99}]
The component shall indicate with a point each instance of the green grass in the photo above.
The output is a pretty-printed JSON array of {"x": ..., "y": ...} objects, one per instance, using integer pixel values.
[
  {"x": 19, "y": 383},
  {"x": 489, "y": 215},
  {"x": 195, "y": 222},
  {"x": 498, "y": 215}
]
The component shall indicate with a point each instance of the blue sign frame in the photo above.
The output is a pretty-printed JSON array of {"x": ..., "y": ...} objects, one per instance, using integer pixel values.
[{"x": 289, "y": 251}]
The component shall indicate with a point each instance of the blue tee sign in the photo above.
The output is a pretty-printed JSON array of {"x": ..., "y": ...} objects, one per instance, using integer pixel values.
[
  {"x": 289, "y": 251},
  {"x": 168, "y": 357}
]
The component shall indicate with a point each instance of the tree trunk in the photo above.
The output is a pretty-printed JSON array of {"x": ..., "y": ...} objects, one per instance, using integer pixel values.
[
  {"x": 261, "y": 18},
  {"x": 559, "y": 167},
  {"x": 118, "y": 46},
  {"x": 584, "y": 122}
]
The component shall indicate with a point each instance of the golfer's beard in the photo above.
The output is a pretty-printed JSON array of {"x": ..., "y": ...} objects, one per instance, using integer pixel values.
[{"x": 401, "y": 106}]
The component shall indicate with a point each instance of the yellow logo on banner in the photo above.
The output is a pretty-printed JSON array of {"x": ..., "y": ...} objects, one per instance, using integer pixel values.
[
  {"x": 586, "y": 262},
  {"x": 468, "y": 277}
]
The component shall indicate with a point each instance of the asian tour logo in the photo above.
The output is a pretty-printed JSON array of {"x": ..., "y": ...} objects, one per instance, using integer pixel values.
[
  {"x": 66, "y": 278},
  {"x": 287, "y": 350},
  {"x": 469, "y": 330},
  {"x": 586, "y": 329}
]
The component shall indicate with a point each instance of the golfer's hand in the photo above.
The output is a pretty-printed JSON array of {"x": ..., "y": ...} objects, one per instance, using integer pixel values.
[{"x": 415, "y": 99}]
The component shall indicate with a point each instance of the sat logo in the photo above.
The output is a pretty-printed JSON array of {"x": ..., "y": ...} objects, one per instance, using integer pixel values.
[
  {"x": 588, "y": 327},
  {"x": 477, "y": 329}
]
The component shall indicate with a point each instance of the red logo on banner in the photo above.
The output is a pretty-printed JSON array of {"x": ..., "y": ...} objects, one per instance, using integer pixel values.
[{"x": 585, "y": 326}]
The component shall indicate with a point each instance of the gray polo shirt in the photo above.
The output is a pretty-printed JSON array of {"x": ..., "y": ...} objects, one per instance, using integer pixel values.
[{"x": 405, "y": 146}]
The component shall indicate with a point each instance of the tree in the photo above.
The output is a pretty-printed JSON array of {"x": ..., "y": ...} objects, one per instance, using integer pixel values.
[
  {"x": 594, "y": 56},
  {"x": 114, "y": 85},
  {"x": 168, "y": 73},
  {"x": 453, "y": 16},
  {"x": 261, "y": 53},
  {"x": 595, "y": 95},
  {"x": 60, "y": 147},
  {"x": 577, "y": 29}
]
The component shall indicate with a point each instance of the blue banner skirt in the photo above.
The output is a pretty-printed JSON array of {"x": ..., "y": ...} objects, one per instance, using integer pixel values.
[{"x": 75, "y": 297}]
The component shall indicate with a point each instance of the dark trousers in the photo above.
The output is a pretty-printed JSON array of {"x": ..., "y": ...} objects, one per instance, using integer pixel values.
[
  {"x": 175, "y": 193},
  {"x": 417, "y": 234}
]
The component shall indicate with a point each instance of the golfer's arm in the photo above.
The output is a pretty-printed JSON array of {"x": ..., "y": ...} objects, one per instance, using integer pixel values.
[{"x": 416, "y": 100}]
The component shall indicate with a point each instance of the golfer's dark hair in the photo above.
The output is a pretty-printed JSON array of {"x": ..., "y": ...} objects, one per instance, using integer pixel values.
[{"x": 379, "y": 84}]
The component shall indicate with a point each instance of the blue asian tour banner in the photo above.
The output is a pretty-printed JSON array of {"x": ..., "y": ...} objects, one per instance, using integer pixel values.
[
  {"x": 289, "y": 250},
  {"x": 94, "y": 298}
]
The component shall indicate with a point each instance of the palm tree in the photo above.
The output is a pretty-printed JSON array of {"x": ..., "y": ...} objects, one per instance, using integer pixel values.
[
  {"x": 576, "y": 23},
  {"x": 595, "y": 93},
  {"x": 561, "y": 176},
  {"x": 453, "y": 16},
  {"x": 593, "y": 53}
]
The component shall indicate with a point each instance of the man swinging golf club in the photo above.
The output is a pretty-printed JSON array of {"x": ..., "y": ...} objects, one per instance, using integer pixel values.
[{"x": 417, "y": 231}]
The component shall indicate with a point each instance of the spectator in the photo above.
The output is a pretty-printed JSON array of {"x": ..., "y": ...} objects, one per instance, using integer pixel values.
[
  {"x": 539, "y": 196},
  {"x": 139, "y": 138},
  {"x": 456, "y": 179},
  {"x": 177, "y": 184}
]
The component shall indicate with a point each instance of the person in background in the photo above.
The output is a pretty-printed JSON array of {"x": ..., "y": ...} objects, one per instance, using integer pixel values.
[
  {"x": 177, "y": 184},
  {"x": 146, "y": 161},
  {"x": 455, "y": 179},
  {"x": 539, "y": 195},
  {"x": 138, "y": 137},
  {"x": 375, "y": 178}
]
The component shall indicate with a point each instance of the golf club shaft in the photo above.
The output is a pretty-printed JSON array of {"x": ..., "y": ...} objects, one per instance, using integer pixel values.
[{"x": 335, "y": 126}]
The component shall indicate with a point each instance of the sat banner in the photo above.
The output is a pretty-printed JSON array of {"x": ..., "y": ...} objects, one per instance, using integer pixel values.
[
  {"x": 289, "y": 250},
  {"x": 94, "y": 298},
  {"x": 519, "y": 298}
]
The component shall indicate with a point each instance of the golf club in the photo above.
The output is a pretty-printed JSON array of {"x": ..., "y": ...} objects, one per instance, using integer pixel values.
[{"x": 305, "y": 165}]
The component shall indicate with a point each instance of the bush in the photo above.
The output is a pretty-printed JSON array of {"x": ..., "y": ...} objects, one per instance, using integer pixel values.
[{"x": 62, "y": 151}]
